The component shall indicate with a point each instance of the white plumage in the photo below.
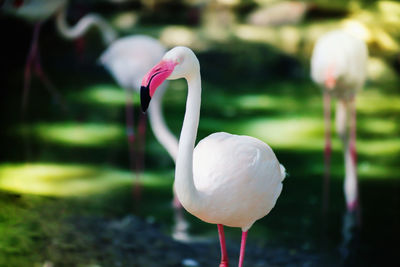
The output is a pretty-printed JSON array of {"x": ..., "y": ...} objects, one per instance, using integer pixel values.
[
  {"x": 129, "y": 58},
  {"x": 239, "y": 175},
  {"x": 34, "y": 10},
  {"x": 343, "y": 56}
]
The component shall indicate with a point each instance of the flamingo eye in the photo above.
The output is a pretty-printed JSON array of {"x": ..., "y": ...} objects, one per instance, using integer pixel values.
[{"x": 18, "y": 3}]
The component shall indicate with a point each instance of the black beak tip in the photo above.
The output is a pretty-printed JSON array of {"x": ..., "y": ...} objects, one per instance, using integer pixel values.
[{"x": 145, "y": 97}]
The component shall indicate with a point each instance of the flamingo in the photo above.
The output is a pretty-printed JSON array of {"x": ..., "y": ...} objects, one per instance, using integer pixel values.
[
  {"x": 128, "y": 59},
  {"x": 38, "y": 11},
  {"x": 338, "y": 65},
  {"x": 227, "y": 179}
]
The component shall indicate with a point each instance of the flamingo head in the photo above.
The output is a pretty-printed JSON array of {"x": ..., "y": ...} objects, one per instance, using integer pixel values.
[{"x": 179, "y": 62}]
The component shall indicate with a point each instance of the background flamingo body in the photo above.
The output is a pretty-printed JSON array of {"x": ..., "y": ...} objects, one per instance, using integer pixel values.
[
  {"x": 342, "y": 56},
  {"x": 128, "y": 59},
  {"x": 34, "y": 10}
]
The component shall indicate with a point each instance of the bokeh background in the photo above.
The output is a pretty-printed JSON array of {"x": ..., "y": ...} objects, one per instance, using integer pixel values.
[{"x": 65, "y": 185}]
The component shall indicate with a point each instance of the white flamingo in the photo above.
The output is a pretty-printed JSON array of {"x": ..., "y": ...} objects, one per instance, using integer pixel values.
[
  {"x": 38, "y": 11},
  {"x": 227, "y": 179},
  {"x": 338, "y": 65}
]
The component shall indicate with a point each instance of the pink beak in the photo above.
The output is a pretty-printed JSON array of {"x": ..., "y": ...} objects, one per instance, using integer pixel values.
[{"x": 153, "y": 79}]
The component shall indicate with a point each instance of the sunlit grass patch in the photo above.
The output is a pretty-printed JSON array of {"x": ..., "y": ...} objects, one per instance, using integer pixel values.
[
  {"x": 287, "y": 132},
  {"x": 79, "y": 134},
  {"x": 102, "y": 94},
  {"x": 378, "y": 126},
  {"x": 383, "y": 147},
  {"x": 373, "y": 101},
  {"x": 375, "y": 170},
  {"x": 71, "y": 180},
  {"x": 304, "y": 133},
  {"x": 366, "y": 170},
  {"x": 284, "y": 103},
  {"x": 307, "y": 133}
]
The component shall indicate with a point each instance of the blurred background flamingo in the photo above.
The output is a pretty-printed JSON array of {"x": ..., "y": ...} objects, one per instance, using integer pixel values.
[
  {"x": 37, "y": 12},
  {"x": 128, "y": 59},
  {"x": 338, "y": 65}
]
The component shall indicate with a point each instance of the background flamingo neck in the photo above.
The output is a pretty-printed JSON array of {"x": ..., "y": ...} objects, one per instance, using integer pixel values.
[
  {"x": 184, "y": 184},
  {"x": 108, "y": 33}
]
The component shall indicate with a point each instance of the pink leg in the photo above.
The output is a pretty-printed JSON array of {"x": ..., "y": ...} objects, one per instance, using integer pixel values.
[
  {"x": 328, "y": 151},
  {"x": 353, "y": 153},
  {"x": 80, "y": 48},
  {"x": 353, "y": 134},
  {"x": 242, "y": 248},
  {"x": 224, "y": 254},
  {"x": 28, "y": 67}
]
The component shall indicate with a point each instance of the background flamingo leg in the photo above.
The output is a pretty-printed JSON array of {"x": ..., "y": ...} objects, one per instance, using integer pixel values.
[
  {"x": 139, "y": 157},
  {"x": 32, "y": 55},
  {"x": 242, "y": 248},
  {"x": 224, "y": 253},
  {"x": 130, "y": 133},
  {"x": 355, "y": 205},
  {"x": 327, "y": 153}
]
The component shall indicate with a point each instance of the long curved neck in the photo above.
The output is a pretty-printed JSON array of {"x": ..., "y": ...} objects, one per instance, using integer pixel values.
[
  {"x": 159, "y": 126},
  {"x": 184, "y": 184},
  {"x": 108, "y": 33}
]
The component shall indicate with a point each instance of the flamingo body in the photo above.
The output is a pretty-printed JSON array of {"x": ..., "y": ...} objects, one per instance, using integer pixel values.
[
  {"x": 342, "y": 57},
  {"x": 34, "y": 10},
  {"x": 239, "y": 177},
  {"x": 129, "y": 58}
]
